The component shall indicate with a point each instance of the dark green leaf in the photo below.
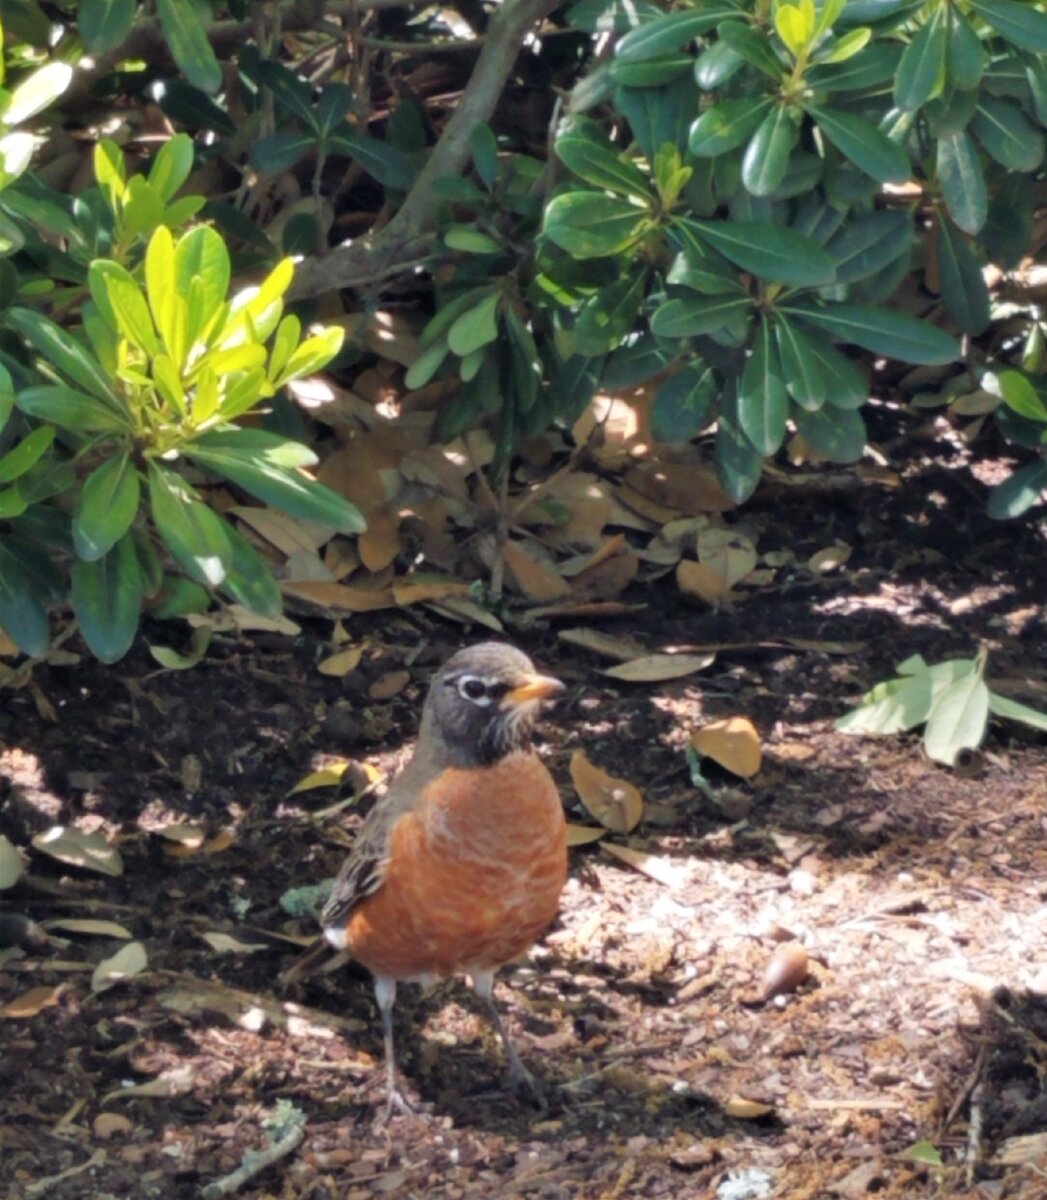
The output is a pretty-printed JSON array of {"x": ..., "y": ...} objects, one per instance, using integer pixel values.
[
  {"x": 766, "y": 158},
  {"x": 608, "y": 316},
  {"x": 249, "y": 580},
  {"x": 391, "y": 167},
  {"x": 70, "y": 409},
  {"x": 1007, "y": 232},
  {"x": 1020, "y": 24},
  {"x": 738, "y": 463},
  {"x": 769, "y": 251},
  {"x": 727, "y": 125},
  {"x": 670, "y": 32},
  {"x": 1013, "y": 497},
  {"x": 1036, "y": 73},
  {"x": 659, "y": 116},
  {"x": 964, "y": 294},
  {"x": 189, "y": 106},
  {"x": 962, "y": 181},
  {"x": 184, "y": 23},
  {"x": 801, "y": 369},
  {"x": 22, "y": 615},
  {"x": 104, "y": 24},
  {"x": 965, "y": 54},
  {"x": 332, "y": 106},
  {"x": 574, "y": 384},
  {"x": 921, "y": 71},
  {"x": 751, "y": 45},
  {"x": 694, "y": 315},
  {"x": 860, "y": 141},
  {"x": 868, "y": 242},
  {"x": 108, "y": 504},
  {"x": 62, "y": 352},
  {"x": 889, "y": 333},
  {"x": 278, "y": 152},
  {"x": 865, "y": 12},
  {"x": 193, "y": 533},
  {"x": 1008, "y": 134},
  {"x": 483, "y": 146},
  {"x": 715, "y": 65},
  {"x": 685, "y": 403},
  {"x": 875, "y": 65},
  {"x": 291, "y": 93},
  {"x": 593, "y": 225},
  {"x": 652, "y": 73},
  {"x": 107, "y": 599},
  {"x": 763, "y": 404},
  {"x": 178, "y": 597},
  {"x": 602, "y": 167},
  {"x": 611, "y": 16},
  {"x": 838, "y": 434},
  {"x": 635, "y": 363},
  {"x": 26, "y": 453}
]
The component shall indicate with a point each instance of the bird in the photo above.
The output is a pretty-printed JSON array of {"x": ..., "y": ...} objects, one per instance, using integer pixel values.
[{"x": 459, "y": 867}]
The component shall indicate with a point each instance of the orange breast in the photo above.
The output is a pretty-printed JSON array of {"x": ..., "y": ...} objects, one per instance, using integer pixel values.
[{"x": 474, "y": 876}]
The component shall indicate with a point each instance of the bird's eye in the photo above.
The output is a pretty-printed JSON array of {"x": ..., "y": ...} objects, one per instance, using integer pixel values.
[{"x": 473, "y": 688}]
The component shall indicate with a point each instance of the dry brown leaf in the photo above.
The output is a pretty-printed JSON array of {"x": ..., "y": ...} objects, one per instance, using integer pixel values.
[
  {"x": 109, "y": 1125},
  {"x": 733, "y": 743},
  {"x": 339, "y": 597},
  {"x": 730, "y": 554},
  {"x": 241, "y": 620},
  {"x": 329, "y": 776},
  {"x": 615, "y": 803},
  {"x": 662, "y": 870},
  {"x": 597, "y": 609},
  {"x": 425, "y": 590},
  {"x": 192, "y": 836},
  {"x": 651, "y": 510},
  {"x": 285, "y": 533},
  {"x": 174, "y": 1082},
  {"x": 76, "y": 849},
  {"x": 380, "y": 542},
  {"x": 687, "y": 487},
  {"x": 824, "y": 561},
  {"x": 607, "y": 579},
  {"x": 655, "y": 668},
  {"x": 32, "y": 1002},
  {"x": 90, "y": 926},
  {"x": 786, "y": 969},
  {"x": 11, "y": 864},
  {"x": 622, "y": 649},
  {"x": 466, "y": 612},
  {"x": 225, "y": 943},
  {"x": 340, "y": 664},
  {"x": 582, "y": 562},
  {"x": 391, "y": 684},
  {"x": 702, "y": 582},
  {"x": 341, "y": 557},
  {"x": 536, "y": 580},
  {"x": 221, "y": 841},
  {"x": 8, "y": 649},
  {"x": 127, "y": 961},
  {"x": 746, "y": 1110},
  {"x": 583, "y": 835}
]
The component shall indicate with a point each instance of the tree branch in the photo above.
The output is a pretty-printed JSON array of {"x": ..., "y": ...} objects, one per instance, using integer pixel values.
[{"x": 371, "y": 257}]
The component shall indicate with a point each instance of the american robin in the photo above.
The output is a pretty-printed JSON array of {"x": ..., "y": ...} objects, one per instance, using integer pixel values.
[{"x": 460, "y": 866}]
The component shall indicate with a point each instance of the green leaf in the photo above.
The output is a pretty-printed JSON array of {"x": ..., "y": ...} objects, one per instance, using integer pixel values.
[
  {"x": 106, "y": 596},
  {"x": 892, "y": 706},
  {"x": 694, "y": 315},
  {"x": 171, "y": 166},
  {"x": 738, "y": 463},
  {"x": 1007, "y": 232},
  {"x": 22, "y": 615},
  {"x": 1008, "y": 134},
  {"x": 201, "y": 255},
  {"x": 607, "y": 317},
  {"x": 1021, "y": 24},
  {"x": 470, "y": 240},
  {"x": 277, "y": 152},
  {"x": 258, "y": 470},
  {"x": 104, "y": 24},
  {"x": 868, "y": 243},
  {"x": 476, "y": 327},
  {"x": 836, "y": 433},
  {"x": 964, "y": 294},
  {"x": 800, "y": 367},
  {"x": 1012, "y": 498},
  {"x": 685, "y": 403},
  {"x": 716, "y": 65},
  {"x": 62, "y": 352},
  {"x": 843, "y": 50},
  {"x": 391, "y": 167},
  {"x": 194, "y": 534},
  {"x": 121, "y": 303},
  {"x": 889, "y": 333},
  {"x": 12, "y": 503},
  {"x": 701, "y": 269},
  {"x": 763, "y": 404},
  {"x": 574, "y": 384},
  {"x": 921, "y": 73},
  {"x": 70, "y": 409},
  {"x": 766, "y": 159},
  {"x": 184, "y": 24},
  {"x": 769, "y": 251},
  {"x": 26, "y": 453},
  {"x": 483, "y": 145},
  {"x": 249, "y": 580},
  {"x": 670, "y": 32},
  {"x": 959, "y": 716},
  {"x": 312, "y": 355},
  {"x": 752, "y": 46},
  {"x": 602, "y": 167},
  {"x": 108, "y": 504},
  {"x": 795, "y": 26},
  {"x": 1011, "y": 710},
  {"x": 962, "y": 181},
  {"x": 593, "y": 225},
  {"x": 965, "y": 55},
  {"x": 652, "y": 73},
  {"x": 38, "y": 90},
  {"x": 877, "y": 64},
  {"x": 1020, "y": 395},
  {"x": 727, "y": 125},
  {"x": 860, "y": 141},
  {"x": 426, "y": 365}
]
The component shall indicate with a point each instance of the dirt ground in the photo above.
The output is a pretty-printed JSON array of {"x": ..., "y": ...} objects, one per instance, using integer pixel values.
[{"x": 919, "y": 894}]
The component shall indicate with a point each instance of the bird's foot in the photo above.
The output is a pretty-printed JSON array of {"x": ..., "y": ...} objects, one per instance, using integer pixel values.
[
  {"x": 398, "y": 1105},
  {"x": 520, "y": 1082}
]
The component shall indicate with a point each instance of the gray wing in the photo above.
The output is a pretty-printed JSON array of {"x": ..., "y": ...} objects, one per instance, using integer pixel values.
[{"x": 363, "y": 871}]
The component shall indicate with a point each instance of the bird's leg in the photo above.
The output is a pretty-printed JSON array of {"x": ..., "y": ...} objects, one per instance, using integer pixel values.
[
  {"x": 385, "y": 994},
  {"x": 519, "y": 1077}
]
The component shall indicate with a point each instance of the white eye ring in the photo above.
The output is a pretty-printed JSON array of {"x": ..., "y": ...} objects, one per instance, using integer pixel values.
[{"x": 475, "y": 690}]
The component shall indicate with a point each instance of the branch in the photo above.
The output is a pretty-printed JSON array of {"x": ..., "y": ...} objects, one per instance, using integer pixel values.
[{"x": 350, "y": 265}]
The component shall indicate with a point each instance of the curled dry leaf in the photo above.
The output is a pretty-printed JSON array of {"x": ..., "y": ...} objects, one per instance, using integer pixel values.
[
  {"x": 615, "y": 803},
  {"x": 76, "y": 849},
  {"x": 701, "y": 582},
  {"x": 127, "y": 961},
  {"x": 583, "y": 835},
  {"x": 746, "y": 1110},
  {"x": 342, "y": 663},
  {"x": 285, "y": 533},
  {"x": 729, "y": 553},
  {"x": 11, "y": 864},
  {"x": 824, "y": 561},
  {"x": 329, "y": 776},
  {"x": 654, "y": 668},
  {"x": 221, "y": 841},
  {"x": 733, "y": 743},
  {"x": 583, "y": 562},
  {"x": 391, "y": 684},
  {"x": 89, "y": 925},
  {"x": 32, "y": 1002},
  {"x": 786, "y": 969}
]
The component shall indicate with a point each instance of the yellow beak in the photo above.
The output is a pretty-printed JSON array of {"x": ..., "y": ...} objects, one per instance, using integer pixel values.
[{"x": 537, "y": 687}]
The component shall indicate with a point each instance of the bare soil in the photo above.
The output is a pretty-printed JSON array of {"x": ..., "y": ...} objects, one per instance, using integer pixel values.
[{"x": 918, "y": 892}]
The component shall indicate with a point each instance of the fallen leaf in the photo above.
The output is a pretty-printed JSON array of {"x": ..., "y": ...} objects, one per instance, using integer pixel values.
[
  {"x": 702, "y": 582},
  {"x": 11, "y": 864},
  {"x": 108, "y": 1125},
  {"x": 655, "y": 668},
  {"x": 731, "y": 555},
  {"x": 686, "y": 487},
  {"x": 127, "y": 961},
  {"x": 89, "y": 926},
  {"x": 607, "y": 579},
  {"x": 191, "y": 836},
  {"x": 329, "y": 776},
  {"x": 585, "y": 608},
  {"x": 466, "y": 612},
  {"x": 380, "y": 542},
  {"x": 536, "y": 580},
  {"x": 225, "y": 943},
  {"x": 289, "y": 536},
  {"x": 824, "y": 561},
  {"x": 174, "y": 660},
  {"x": 235, "y": 618},
  {"x": 615, "y": 803},
  {"x": 174, "y": 1082},
  {"x": 583, "y": 835},
  {"x": 623, "y": 649},
  {"x": 733, "y": 743},
  {"x": 342, "y": 663},
  {"x": 221, "y": 841},
  {"x": 76, "y": 849},
  {"x": 746, "y": 1110},
  {"x": 32, "y": 1002},
  {"x": 662, "y": 870},
  {"x": 8, "y": 649},
  {"x": 582, "y": 562},
  {"x": 388, "y": 685},
  {"x": 339, "y": 597},
  {"x": 786, "y": 969},
  {"x": 420, "y": 591}
]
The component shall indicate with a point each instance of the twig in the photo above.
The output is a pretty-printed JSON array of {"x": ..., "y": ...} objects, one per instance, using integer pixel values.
[
  {"x": 254, "y": 1163},
  {"x": 974, "y": 1131}
]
